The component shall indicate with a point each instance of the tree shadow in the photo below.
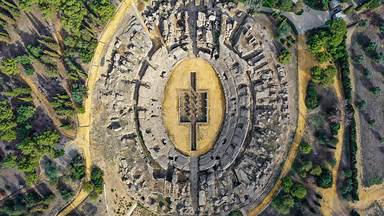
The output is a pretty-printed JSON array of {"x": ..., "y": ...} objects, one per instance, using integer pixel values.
[
  {"x": 40, "y": 27},
  {"x": 9, "y": 50}
]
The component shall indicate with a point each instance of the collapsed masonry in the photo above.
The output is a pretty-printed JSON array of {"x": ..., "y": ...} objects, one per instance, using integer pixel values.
[{"x": 241, "y": 167}]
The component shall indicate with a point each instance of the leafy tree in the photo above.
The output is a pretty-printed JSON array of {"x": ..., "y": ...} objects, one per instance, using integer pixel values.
[
  {"x": 97, "y": 179},
  {"x": 325, "y": 179},
  {"x": 77, "y": 167},
  {"x": 283, "y": 203},
  {"x": 359, "y": 59},
  {"x": 23, "y": 59},
  {"x": 316, "y": 170},
  {"x": 323, "y": 76},
  {"x": 287, "y": 184},
  {"x": 24, "y": 118},
  {"x": 88, "y": 187},
  {"x": 51, "y": 171},
  {"x": 78, "y": 93},
  {"x": 335, "y": 127},
  {"x": 9, "y": 67},
  {"x": 361, "y": 104},
  {"x": 306, "y": 166},
  {"x": 312, "y": 100},
  {"x": 32, "y": 149},
  {"x": 324, "y": 43},
  {"x": 299, "y": 191},
  {"x": 305, "y": 148},
  {"x": 7, "y": 122},
  {"x": 35, "y": 51},
  {"x": 375, "y": 90},
  {"x": 285, "y": 57}
]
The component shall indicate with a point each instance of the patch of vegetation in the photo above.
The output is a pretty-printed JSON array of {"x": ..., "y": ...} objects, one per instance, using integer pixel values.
[
  {"x": 7, "y": 122},
  {"x": 325, "y": 179},
  {"x": 312, "y": 99},
  {"x": 370, "y": 5},
  {"x": 63, "y": 105},
  {"x": 30, "y": 151},
  {"x": 95, "y": 186},
  {"x": 235, "y": 213},
  {"x": 318, "y": 4},
  {"x": 323, "y": 76},
  {"x": 26, "y": 203},
  {"x": 9, "y": 67},
  {"x": 325, "y": 43},
  {"x": 284, "y": 5},
  {"x": 77, "y": 167},
  {"x": 65, "y": 192},
  {"x": 9, "y": 11},
  {"x": 291, "y": 193},
  {"x": 285, "y": 56},
  {"x": 51, "y": 171}
]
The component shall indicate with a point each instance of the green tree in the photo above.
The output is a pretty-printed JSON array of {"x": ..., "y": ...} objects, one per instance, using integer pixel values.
[
  {"x": 283, "y": 203},
  {"x": 7, "y": 122},
  {"x": 285, "y": 57},
  {"x": 9, "y": 67},
  {"x": 316, "y": 170},
  {"x": 24, "y": 118},
  {"x": 299, "y": 191},
  {"x": 287, "y": 184},
  {"x": 325, "y": 179},
  {"x": 305, "y": 148},
  {"x": 312, "y": 99},
  {"x": 97, "y": 179},
  {"x": 323, "y": 76},
  {"x": 375, "y": 90},
  {"x": 77, "y": 167}
]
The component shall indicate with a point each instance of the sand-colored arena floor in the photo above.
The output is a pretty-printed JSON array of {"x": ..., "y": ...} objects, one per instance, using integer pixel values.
[{"x": 208, "y": 81}]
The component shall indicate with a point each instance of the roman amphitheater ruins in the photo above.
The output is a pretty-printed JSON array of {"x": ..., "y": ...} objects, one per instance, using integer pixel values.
[{"x": 193, "y": 109}]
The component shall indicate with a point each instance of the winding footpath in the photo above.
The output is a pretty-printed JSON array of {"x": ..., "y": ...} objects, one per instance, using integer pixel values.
[{"x": 85, "y": 119}]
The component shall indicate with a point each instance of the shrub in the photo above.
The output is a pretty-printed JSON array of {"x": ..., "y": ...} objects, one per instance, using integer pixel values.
[
  {"x": 325, "y": 179},
  {"x": 323, "y": 76},
  {"x": 77, "y": 167},
  {"x": 305, "y": 148},
  {"x": 283, "y": 203},
  {"x": 285, "y": 57},
  {"x": 287, "y": 184},
  {"x": 299, "y": 191},
  {"x": 316, "y": 170},
  {"x": 9, "y": 67},
  {"x": 7, "y": 122},
  {"x": 312, "y": 100},
  {"x": 375, "y": 90}
]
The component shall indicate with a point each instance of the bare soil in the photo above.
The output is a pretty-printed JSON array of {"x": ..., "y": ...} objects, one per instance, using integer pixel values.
[{"x": 371, "y": 118}]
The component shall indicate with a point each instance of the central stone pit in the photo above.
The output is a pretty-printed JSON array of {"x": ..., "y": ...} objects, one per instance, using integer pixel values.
[{"x": 193, "y": 115}]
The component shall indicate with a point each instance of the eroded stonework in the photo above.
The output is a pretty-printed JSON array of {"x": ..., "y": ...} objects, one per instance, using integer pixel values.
[{"x": 256, "y": 131}]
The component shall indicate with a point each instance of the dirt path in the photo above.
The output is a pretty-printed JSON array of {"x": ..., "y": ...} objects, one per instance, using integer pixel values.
[
  {"x": 85, "y": 119},
  {"x": 305, "y": 62},
  {"x": 331, "y": 203},
  {"x": 47, "y": 106}
]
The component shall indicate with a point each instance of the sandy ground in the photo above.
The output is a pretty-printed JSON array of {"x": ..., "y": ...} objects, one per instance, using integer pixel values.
[
  {"x": 207, "y": 81},
  {"x": 84, "y": 119},
  {"x": 305, "y": 62}
]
